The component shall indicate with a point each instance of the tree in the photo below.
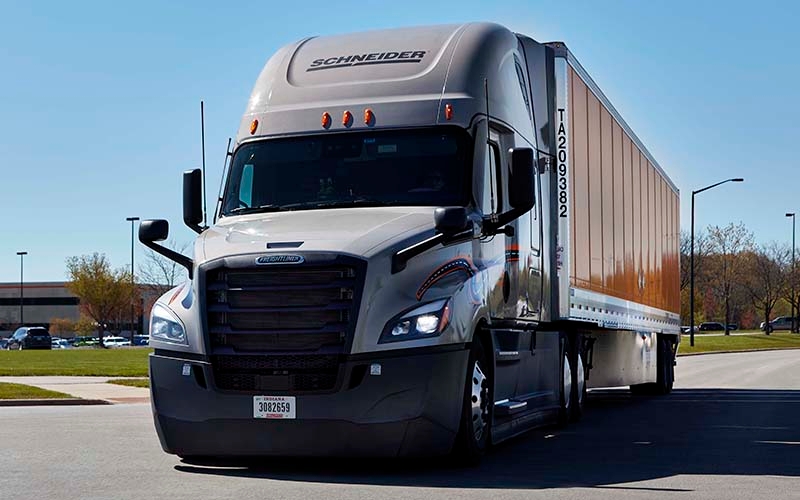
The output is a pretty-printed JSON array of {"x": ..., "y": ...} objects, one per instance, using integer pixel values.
[
  {"x": 726, "y": 269},
  {"x": 792, "y": 290},
  {"x": 104, "y": 293},
  {"x": 159, "y": 271},
  {"x": 61, "y": 326},
  {"x": 701, "y": 250},
  {"x": 766, "y": 277}
]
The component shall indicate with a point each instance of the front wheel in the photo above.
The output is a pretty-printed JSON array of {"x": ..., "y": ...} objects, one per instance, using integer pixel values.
[{"x": 476, "y": 416}]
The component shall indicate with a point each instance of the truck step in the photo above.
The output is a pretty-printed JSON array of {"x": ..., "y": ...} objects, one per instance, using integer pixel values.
[{"x": 509, "y": 407}]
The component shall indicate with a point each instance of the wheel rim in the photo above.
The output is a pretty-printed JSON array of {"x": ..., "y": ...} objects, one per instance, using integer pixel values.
[
  {"x": 567, "y": 382},
  {"x": 581, "y": 381},
  {"x": 480, "y": 402}
]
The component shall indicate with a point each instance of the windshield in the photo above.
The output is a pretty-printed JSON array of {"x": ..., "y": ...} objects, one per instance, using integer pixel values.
[{"x": 376, "y": 168}]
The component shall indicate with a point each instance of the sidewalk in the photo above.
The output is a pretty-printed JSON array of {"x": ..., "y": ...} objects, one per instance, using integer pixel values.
[{"x": 89, "y": 388}]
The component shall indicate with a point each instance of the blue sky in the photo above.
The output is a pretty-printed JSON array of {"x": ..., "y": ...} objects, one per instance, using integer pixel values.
[{"x": 99, "y": 102}]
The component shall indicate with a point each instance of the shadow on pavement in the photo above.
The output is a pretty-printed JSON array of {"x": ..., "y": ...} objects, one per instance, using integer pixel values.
[{"x": 621, "y": 439}]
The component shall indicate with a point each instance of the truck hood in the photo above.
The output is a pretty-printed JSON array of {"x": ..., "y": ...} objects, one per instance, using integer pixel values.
[{"x": 358, "y": 231}]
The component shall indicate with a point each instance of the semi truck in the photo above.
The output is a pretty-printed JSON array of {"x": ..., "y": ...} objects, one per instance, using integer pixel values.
[{"x": 428, "y": 240}]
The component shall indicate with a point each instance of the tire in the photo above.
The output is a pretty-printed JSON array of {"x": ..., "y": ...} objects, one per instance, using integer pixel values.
[
  {"x": 578, "y": 379},
  {"x": 665, "y": 365},
  {"x": 769, "y": 329},
  {"x": 566, "y": 379},
  {"x": 665, "y": 370},
  {"x": 474, "y": 434}
]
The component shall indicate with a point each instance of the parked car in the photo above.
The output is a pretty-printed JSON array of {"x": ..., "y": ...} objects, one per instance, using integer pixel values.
[
  {"x": 733, "y": 326},
  {"x": 712, "y": 326},
  {"x": 780, "y": 323},
  {"x": 116, "y": 342},
  {"x": 30, "y": 337},
  {"x": 141, "y": 340},
  {"x": 59, "y": 344},
  {"x": 85, "y": 341},
  {"x": 687, "y": 329}
]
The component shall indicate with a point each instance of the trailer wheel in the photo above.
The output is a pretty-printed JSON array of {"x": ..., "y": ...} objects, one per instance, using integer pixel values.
[
  {"x": 665, "y": 370},
  {"x": 475, "y": 429},
  {"x": 578, "y": 380},
  {"x": 666, "y": 365},
  {"x": 566, "y": 397}
]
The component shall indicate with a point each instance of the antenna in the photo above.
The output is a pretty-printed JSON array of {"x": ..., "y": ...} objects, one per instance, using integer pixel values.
[
  {"x": 488, "y": 146},
  {"x": 203, "y": 147}
]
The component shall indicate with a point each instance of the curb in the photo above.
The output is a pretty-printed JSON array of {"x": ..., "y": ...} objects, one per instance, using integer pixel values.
[
  {"x": 53, "y": 402},
  {"x": 680, "y": 354}
]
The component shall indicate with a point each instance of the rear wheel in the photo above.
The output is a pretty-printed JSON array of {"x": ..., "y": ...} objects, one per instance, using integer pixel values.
[
  {"x": 474, "y": 433},
  {"x": 666, "y": 365},
  {"x": 578, "y": 379},
  {"x": 665, "y": 370}
]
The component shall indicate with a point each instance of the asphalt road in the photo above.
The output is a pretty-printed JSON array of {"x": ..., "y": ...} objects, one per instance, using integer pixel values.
[{"x": 741, "y": 440}]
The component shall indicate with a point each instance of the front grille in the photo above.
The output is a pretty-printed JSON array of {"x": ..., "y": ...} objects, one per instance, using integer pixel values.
[{"x": 281, "y": 328}]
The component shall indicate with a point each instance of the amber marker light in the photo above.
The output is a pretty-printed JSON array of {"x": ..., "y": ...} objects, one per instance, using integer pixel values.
[
  {"x": 253, "y": 127},
  {"x": 448, "y": 111},
  {"x": 369, "y": 117},
  {"x": 347, "y": 118},
  {"x": 326, "y": 120}
]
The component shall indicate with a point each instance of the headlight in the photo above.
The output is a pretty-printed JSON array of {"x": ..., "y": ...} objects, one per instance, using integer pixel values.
[
  {"x": 165, "y": 327},
  {"x": 425, "y": 321}
]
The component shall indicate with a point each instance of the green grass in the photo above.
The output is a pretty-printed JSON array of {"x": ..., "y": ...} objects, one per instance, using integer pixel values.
[
  {"x": 704, "y": 343},
  {"x": 19, "y": 391},
  {"x": 141, "y": 382},
  {"x": 100, "y": 362}
]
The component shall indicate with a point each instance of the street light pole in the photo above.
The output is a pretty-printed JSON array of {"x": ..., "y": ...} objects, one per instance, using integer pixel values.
[
  {"x": 794, "y": 324},
  {"x": 691, "y": 259},
  {"x": 21, "y": 289},
  {"x": 132, "y": 220}
]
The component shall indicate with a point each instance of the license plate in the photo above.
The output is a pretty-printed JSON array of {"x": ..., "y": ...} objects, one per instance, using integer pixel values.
[{"x": 274, "y": 407}]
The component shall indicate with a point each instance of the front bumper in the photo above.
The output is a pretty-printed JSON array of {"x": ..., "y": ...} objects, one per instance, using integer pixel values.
[{"x": 412, "y": 408}]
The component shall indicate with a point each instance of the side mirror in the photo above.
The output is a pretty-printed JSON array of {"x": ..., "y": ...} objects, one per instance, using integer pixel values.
[
  {"x": 450, "y": 220},
  {"x": 153, "y": 230},
  {"x": 521, "y": 186},
  {"x": 193, "y": 199}
]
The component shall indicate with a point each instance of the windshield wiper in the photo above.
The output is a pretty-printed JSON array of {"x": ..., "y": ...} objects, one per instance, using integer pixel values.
[
  {"x": 260, "y": 208},
  {"x": 357, "y": 202}
]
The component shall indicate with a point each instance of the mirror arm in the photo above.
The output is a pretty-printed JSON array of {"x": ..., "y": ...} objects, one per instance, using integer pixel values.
[
  {"x": 171, "y": 255},
  {"x": 492, "y": 228}
]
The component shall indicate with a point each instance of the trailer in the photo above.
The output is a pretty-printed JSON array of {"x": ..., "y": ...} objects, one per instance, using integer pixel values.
[{"x": 428, "y": 240}]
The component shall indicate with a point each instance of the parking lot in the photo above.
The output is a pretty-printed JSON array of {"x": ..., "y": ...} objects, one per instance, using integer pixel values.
[{"x": 729, "y": 429}]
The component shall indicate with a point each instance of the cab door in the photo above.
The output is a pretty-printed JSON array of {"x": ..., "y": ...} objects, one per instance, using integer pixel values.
[{"x": 534, "y": 257}]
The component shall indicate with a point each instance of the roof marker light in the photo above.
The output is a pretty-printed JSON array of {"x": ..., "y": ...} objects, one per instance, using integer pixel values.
[
  {"x": 448, "y": 112},
  {"x": 347, "y": 118},
  {"x": 253, "y": 127},
  {"x": 369, "y": 117},
  {"x": 326, "y": 120}
]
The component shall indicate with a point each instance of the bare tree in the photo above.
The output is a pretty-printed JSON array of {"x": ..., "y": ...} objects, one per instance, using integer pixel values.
[
  {"x": 766, "y": 277},
  {"x": 103, "y": 292},
  {"x": 161, "y": 272},
  {"x": 701, "y": 250},
  {"x": 728, "y": 245},
  {"x": 792, "y": 290}
]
